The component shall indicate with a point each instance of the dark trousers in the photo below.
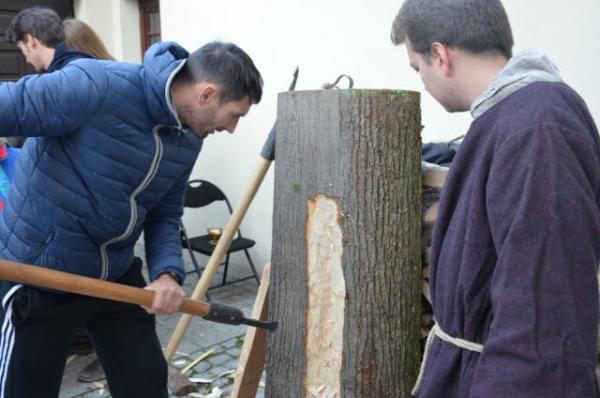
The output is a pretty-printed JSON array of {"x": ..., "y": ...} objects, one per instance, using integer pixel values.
[{"x": 38, "y": 325}]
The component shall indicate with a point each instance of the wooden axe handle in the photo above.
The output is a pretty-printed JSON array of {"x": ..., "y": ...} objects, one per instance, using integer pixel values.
[
  {"x": 220, "y": 250},
  {"x": 66, "y": 282}
]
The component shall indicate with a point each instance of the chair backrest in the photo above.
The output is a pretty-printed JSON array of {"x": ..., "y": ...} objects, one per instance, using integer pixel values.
[{"x": 200, "y": 193}]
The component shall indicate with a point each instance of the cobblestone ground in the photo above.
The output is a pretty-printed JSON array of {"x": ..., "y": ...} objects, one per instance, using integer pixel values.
[
  {"x": 216, "y": 372},
  {"x": 213, "y": 374}
]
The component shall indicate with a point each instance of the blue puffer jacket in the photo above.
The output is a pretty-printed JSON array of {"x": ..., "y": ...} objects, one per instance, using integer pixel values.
[{"x": 111, "y": 160}]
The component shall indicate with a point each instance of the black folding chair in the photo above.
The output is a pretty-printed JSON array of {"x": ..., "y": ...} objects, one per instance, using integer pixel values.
[{"x": 200, "y": 193}]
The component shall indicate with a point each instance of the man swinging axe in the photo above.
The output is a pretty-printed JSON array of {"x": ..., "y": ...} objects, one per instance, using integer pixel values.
[{"x": 114, "y": 145}]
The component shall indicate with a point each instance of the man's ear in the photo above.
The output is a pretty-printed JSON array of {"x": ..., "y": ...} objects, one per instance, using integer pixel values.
[
  {"x": 207, "y": 92},
  {"x": 30, "y": 40},
  {"x": 440, "y": 56}
]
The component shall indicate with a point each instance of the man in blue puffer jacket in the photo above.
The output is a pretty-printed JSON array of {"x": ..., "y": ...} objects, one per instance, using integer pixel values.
[{"x": 115, "y": 144}]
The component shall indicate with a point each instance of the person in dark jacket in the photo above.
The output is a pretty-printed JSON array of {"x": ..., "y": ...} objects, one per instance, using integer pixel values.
[
  {"x": 516, "y": 245},
  {"x": 40, "y": 35},
  {"x": 115, "y": 145}
]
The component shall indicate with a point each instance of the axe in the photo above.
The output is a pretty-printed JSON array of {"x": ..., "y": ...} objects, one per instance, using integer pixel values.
[{"x": 47, "y": 278}]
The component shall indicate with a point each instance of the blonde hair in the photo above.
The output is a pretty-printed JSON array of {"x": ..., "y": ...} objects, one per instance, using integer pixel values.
[{"x": 80, "y": 36}]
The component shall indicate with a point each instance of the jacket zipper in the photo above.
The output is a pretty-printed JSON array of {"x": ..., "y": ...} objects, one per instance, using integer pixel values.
[
  {"x": 132, "y": 202},
  {"x": 149, "y": 176}
]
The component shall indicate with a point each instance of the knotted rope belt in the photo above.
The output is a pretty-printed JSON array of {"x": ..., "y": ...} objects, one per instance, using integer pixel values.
[{"x": 436, "y": 331}]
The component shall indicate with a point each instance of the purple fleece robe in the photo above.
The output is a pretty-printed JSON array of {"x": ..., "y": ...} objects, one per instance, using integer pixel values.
[{"x": 515, "y": 253}]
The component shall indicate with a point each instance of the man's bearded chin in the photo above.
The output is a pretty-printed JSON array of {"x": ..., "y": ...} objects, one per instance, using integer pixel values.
[
  {"x": 187, "y": 119},
  {"x": 202, "y": 132}
]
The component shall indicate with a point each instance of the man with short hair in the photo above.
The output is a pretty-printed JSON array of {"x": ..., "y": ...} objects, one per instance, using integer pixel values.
[
  {"x": 40, "y": 35},
  {"x": 114, "y": 146},
  {"x": 517, "y": 241}
]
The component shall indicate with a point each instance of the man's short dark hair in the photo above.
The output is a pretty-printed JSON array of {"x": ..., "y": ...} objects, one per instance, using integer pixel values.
[
  {"x": 473, "y": 25},
  {"x": 228, "y": 66},
  {"x": 41, "y": 23}
]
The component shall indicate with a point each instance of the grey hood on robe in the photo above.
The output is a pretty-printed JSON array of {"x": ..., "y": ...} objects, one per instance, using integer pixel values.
[{"x": 527, "y": 67}]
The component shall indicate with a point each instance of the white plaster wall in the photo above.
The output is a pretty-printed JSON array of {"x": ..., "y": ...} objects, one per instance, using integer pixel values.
[
  {"x": 329, "y": 37},
  {"x": 117, "y": 22},
  {"x": 98, "y": 14}
]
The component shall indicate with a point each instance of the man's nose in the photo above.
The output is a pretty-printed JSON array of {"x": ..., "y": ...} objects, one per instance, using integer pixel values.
[{"x": 231, "y": 126}]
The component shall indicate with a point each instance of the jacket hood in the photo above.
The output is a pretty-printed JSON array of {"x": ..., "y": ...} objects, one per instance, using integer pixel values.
[
  {"x": 527, "y": 67},
  {"x": 161, "y": 63}
]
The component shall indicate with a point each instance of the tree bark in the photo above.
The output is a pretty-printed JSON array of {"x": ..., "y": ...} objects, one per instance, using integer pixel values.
[{"x": 346, "y": 272}]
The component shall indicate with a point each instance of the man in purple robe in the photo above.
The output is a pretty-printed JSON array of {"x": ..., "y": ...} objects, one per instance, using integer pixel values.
[{"x": 517, "y": 242}]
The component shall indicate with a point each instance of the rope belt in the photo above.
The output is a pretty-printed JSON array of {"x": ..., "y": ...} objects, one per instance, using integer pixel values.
[{"x": 436, "y": 331}]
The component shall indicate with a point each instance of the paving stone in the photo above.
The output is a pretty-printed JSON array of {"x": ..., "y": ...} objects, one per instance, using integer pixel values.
[
  {"x": 235, "y": 352},
  {"x": 221, "y": 382},
  {"x": 202, "y": 368},
  {"x": 231, "y": 343},
  {"x": 216, "y": 371}
]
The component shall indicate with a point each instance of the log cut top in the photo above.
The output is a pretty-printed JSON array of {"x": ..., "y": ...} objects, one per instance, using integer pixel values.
[{"x": 515, "y": 252}]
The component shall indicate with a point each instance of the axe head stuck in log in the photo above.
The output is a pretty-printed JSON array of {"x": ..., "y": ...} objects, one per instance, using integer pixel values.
[{"x": 268, "y": 149}]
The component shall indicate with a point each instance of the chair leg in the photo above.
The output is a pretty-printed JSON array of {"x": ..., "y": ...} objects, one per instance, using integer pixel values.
[
  {"x": 189, "y": 248},
  {"x": 198, "y": 270},
  {"x": 252, "y": 266},
  {"x": 196, "y": 267},
  {"x": 225, "y": 270},
  {"x": 195, "y": 262}
]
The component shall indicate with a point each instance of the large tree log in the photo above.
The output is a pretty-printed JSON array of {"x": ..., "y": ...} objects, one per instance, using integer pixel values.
[{"x": 346, "y": 272}]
